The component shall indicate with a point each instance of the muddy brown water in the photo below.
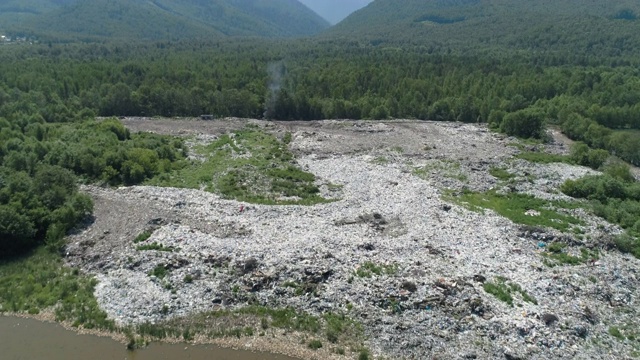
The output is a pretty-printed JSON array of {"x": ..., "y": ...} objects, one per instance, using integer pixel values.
[{"x": 34, "y": 340}]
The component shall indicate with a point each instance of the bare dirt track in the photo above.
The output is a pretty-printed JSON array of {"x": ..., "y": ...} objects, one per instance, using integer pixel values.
[{"x": 393, "y": 252}]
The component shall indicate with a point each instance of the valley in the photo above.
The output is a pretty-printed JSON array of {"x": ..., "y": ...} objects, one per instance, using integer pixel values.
[{"x": 357, "y": 179}]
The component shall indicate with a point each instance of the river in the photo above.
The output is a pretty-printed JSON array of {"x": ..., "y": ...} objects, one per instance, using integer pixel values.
[{"x": 30, "y": 339}]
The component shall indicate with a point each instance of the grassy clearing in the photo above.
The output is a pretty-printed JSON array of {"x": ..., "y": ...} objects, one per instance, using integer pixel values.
[
  {"x": 521, "y": 209},
  {"x": 504, "y": 291},
  {"x": 368, "y": 269},
  {"x": 40, "y": 282},
  {"x": 249, "y": 166}
]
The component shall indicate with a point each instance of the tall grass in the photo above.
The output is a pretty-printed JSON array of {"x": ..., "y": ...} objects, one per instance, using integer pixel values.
[{"x": 39, "y": 281}]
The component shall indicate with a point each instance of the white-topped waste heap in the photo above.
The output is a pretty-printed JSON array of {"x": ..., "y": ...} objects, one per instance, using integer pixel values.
[{"x": 429, "y": 299}]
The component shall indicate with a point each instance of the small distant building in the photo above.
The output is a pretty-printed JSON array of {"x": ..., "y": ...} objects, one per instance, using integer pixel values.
[{"x": 206, "y": 117}]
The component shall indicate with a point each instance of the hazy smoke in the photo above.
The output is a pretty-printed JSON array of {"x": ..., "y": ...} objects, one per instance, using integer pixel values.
[{"x": 276, "y": 71}]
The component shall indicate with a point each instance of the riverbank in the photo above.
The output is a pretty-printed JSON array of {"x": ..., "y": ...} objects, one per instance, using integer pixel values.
[{"x": 33, "y": 339}]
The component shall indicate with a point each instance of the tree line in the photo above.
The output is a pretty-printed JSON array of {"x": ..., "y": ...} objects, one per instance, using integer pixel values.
[{"x": 41, "y": 163}]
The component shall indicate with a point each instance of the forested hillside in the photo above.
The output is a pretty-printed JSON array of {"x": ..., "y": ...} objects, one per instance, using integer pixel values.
[
  {"x": 590, "y": 27},
  {"x": 89, "y": 20}
]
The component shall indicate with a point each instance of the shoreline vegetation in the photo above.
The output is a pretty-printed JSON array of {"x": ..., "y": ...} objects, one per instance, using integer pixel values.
[
  {"x": 37, "y": 284},
  {"x": 279, "y": 331}
]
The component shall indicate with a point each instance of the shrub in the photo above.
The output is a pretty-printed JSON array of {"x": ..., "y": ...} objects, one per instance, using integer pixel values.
[
  {"x": 142, "y": 236},
  {"x": 159, "y": 271},
  {"x": 619, "y": 170},
  {"x": 502, "y": 290},
  {"x": 628, "y": 244},
  {"x": 581, "y": 154},
  {"x": 315, "y": 344},
  {"x": 597, "y": 158},
  {"x": 601, "y": 188},
  {"x": 364, "y": 354},
  {"x": 527, "y": 123},
  {"x": 499, "y": 290}
]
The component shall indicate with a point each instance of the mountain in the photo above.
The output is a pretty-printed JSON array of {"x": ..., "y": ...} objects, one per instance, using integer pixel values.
[
  {"x": 592, "y": 26},
  {"x": 160, "y": 19},
  {"x": 335, "y": 10},
  {"x": 14, "y": 12}
]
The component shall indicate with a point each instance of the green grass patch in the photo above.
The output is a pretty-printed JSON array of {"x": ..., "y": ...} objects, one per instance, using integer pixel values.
[
  {"x": 143, "y": 236},
  {"x": 628, "y": 332},
  {"x": 40, "y": 281},
  {"x": 556, "y": 255},
  {"x": 521, "y": 208},
  {"x": 544, "y": 158},
  {"x": 504, "y": 291},
  {"x": 364, "y": 355},
  {"x": 155, "y": 247},
  {"x": 248, "y": 165},
  {"x": 247, "y": 321},
  {"x": 501, "y": 174},
  {"x": 615, "y": 332},
  {"x": 301, "y": 289},
  {"x": 159, "y": 271},
  {"x": 368, "y": 269},
  {"x": 380, "y": 160}
]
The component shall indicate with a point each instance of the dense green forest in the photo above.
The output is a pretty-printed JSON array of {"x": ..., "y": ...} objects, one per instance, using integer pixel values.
[
  {"x": 40, "y": 164},
  {"x": 596, "y": 103}
]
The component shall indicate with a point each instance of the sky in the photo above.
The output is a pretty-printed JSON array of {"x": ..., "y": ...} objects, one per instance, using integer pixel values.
[{"x": 335, "y": 10}]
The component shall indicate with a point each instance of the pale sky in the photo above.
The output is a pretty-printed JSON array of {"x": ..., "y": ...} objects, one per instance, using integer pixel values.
[{"x": 335, "y": 10}]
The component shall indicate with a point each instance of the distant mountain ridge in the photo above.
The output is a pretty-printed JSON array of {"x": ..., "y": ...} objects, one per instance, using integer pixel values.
[
  {"x": 592, "y": 25},
  {"x": 335, "y": 10},
  {"x": 159, "y": 19}
]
